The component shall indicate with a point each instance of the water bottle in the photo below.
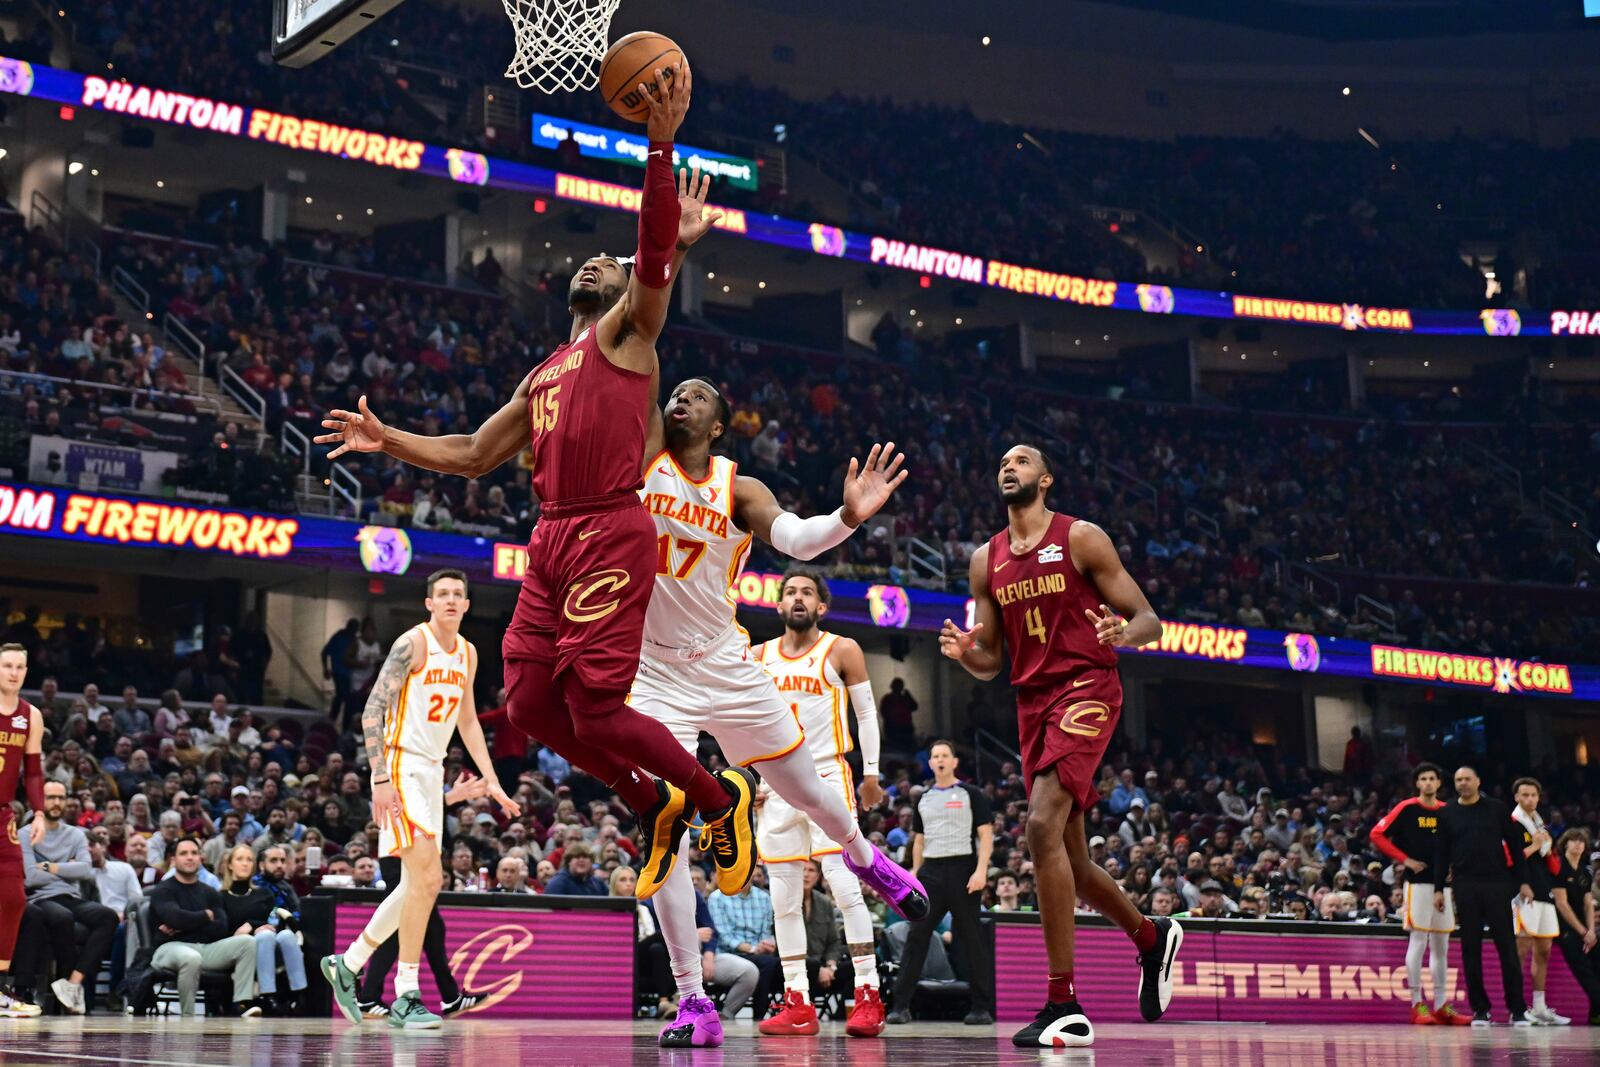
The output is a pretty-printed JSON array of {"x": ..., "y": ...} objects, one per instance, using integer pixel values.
[{"x": 483, "y": 879}]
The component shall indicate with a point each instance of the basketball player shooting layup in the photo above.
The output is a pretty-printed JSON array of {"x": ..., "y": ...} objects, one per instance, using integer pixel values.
[
  {"x": 1037, "y": 585},
  {"x": 421, "y": 698},
  {"x": 699, "y": 673},
  {"x": 573, "y": 645},
  {"x": 21, "y": 742},
  {"x": 821, "y": 674}
]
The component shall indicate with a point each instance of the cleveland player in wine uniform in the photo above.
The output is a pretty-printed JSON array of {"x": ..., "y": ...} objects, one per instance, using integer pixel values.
[
  {"x": 698, "y": 672},
  {"x": 573, "y": 645},
  {"x": 21, "y": 742},
  {"x": 1041, "y": 589}
]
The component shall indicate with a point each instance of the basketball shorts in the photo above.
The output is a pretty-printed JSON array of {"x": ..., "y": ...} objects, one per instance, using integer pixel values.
[
  {"x": 420, "y": 784},
  {"x": 722, "y": 690},
  {"x": 784, "y": 834},
  {"x": 1420, "y": 914},
  {"x": 591, "y": 569},
  {"x": 1067, "y": 726},
  {"x": 1536, "y": 918}
]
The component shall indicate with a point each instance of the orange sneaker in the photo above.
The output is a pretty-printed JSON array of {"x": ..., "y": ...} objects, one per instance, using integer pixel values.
[
  {"x": 1449, "y": 1016},
  {"x": 1422, "y": 1015},
  {"x": 796, "y": 1018},
  {"x": 866, "y": 1018}
]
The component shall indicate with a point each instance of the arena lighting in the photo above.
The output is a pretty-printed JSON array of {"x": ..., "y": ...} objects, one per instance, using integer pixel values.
[
  {"x": 986, "y": 40},
  {"x": 75, "y": 167},
  {"x": 72, "y": 90}
]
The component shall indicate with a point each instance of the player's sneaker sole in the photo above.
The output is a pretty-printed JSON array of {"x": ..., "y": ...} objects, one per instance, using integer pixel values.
[
  {"x": 664, "y": 826},
  {"x": 1057, "y": 1026}
]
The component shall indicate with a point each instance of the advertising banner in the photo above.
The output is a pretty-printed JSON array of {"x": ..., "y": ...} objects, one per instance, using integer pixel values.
[
  {"x": 1229, "y": 973},
  {"x": 620, "y": 146},
  {"x": 89, "y": 465},
  {"x": 523, "y": 959},
  {"x": 21, "y": 78}
]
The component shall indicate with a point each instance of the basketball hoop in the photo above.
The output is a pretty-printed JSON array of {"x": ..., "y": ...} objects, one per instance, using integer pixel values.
[{"x": 559, "y": 42}]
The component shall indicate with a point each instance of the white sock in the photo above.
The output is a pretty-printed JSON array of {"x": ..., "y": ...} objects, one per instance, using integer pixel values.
[
  {"x": 675, "y": 908},
  {"x": 866, "y": 970},
  {"x": 359, "y": 952},
  {"x": 382, "y": 926},
  {"x": 794, "y": 978},
  {"x": 1439, "y": 964},
  {"x": 1538, "y": 1000},
  {"x": 405, "y": 979},
  {"x": 1418, "y": 942}
]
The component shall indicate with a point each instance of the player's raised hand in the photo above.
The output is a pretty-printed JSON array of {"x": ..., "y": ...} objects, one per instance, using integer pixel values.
[
  {"x": 868, "y": 487},
  {"x": 507, "y": 805},
  {"x": 1109, "y": 627},
  {"x": 669, "y": 101},
  {"x": 353, "y": 431},
  {"x": 871, "y": 792},
  {"x": 695, "y": 218},
  {"x": 956, "y": 642}
]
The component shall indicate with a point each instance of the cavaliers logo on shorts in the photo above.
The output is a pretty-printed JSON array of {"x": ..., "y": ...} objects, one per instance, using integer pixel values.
[
  {"x": 1086, "y": 718},
  {"x": 593, "y": 596},
  {"x": 11, "y": 831}
]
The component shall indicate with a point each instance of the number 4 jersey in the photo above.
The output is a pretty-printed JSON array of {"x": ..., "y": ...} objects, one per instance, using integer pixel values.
[
  {"x": 1042, "y": 600},
  {"x": 430, "y": 700}
]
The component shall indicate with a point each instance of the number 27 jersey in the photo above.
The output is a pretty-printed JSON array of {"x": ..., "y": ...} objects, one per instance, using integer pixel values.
[
  {"x": 431, "y": 699},
  {"x": 1042, "y": 600}
]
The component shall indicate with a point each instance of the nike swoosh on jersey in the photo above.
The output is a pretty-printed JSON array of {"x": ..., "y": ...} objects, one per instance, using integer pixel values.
[
  {"x": 584, "y": 535},
  {"x": 998, "y": 567},
  {"x": 1081, "y": 681}
]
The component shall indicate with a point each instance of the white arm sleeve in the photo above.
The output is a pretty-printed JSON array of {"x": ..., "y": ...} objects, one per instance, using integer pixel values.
[
  {"x": 809, "y": 538},
  {"x": 866, "y": 725}
]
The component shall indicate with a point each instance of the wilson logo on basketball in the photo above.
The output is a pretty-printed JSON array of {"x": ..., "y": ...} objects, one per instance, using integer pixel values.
[
  {"x": 586, "y": 598},
  {"x": 496, "y": 945}
]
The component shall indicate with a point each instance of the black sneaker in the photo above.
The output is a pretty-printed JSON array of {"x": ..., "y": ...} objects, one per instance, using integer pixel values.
[
  {"x": 1520, "y": 1018},
  {"x": 898, "y": 1017},
  {"x": 372, "y": 1009},
  {"x": 730, "y": 835},
  {"x": 1155, "y": 969},
  {"x": 662, "y": 828},
  {"x": 250, "y": 1009},
  {"x": 978, "y": 1017},
  {"x": 465, "y": 1001},
  {"x": 1481, "y": 1018},
  {"x": 1056, "y": 1026}
]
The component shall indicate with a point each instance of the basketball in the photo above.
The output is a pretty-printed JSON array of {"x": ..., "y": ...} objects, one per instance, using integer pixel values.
[{"x": 634, "y": 59}]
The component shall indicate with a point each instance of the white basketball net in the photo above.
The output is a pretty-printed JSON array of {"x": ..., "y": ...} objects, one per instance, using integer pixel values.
[{"x": 559, "y": 42}]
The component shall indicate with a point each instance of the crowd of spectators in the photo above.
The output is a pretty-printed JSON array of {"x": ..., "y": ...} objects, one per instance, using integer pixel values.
[{"x": 1282, "y": 215}]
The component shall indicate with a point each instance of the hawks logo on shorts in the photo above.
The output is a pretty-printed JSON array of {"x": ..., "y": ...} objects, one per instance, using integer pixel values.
[{"x": 699, "y": 552}]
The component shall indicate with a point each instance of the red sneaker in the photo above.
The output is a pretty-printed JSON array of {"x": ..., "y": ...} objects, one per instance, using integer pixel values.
[
  {"x": 1449, "y": 1016},
  {"x": 1421, "y": 1015},
  {"x": 796, "y": 1018},
  {"x": 866, "y": 1018}
]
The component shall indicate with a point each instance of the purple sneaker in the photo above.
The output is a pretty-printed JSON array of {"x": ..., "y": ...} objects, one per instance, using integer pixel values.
[
  {"x": 697, "y": 1025},
  {"x": 893, "y": 883}
]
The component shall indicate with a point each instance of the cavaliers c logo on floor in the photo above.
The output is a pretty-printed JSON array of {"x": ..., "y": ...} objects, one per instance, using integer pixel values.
[{"x": 586, "y": 597}]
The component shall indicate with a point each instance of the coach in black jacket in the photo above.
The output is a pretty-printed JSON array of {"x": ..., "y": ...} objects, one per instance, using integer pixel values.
[{"x": 1478, "y": 849}]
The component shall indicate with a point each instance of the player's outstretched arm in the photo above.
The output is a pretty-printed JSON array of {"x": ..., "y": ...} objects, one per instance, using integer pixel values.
[
  {"x": 867, "y": 487},
  {"x": 405, "y": 656},
  {"x": 1126, "y": 619},
  {"x": 851, "y": 663},
  {"x": 471, "y": 455},
  {"x": 981, "y": 649},
  {"x": 471, "y": 731}
]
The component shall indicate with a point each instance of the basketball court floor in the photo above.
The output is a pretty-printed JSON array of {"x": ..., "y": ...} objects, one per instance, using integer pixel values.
[{"x": 320, "y": 1043}]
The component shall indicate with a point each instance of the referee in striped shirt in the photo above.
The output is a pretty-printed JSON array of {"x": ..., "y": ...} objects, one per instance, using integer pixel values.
[{"x": 954, "y": 836}]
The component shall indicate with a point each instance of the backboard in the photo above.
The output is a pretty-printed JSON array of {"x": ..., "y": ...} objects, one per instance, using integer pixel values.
[{"x": 303, "y": 31}]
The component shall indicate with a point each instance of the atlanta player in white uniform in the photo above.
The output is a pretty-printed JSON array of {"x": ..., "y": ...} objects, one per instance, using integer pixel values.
[
  {"x": 821, "y": 675},
  {"x": 421, "y": 697},
  {"x": 698, "y": 672}
]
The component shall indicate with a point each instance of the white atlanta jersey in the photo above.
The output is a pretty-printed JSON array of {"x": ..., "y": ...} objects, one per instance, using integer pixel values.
[
  {"x": 817, "y": 695},
  {"x": 699, "y": 553},
  {"x": 430, "y": 700}
]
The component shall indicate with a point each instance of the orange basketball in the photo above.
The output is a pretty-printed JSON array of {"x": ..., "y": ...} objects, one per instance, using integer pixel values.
[{"x": 634, "y": 59}]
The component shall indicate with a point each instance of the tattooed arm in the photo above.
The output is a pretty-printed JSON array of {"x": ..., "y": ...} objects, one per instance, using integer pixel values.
[{"x": 404, "y": 657}]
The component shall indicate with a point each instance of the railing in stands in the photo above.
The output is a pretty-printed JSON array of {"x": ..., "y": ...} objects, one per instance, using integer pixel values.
[
  {"x": 928, "y": 560},
  {"x": 44, "y": 214},
  {"x": 246, "y": 397},
  {"x": 101, "y": 387},
  {"x": 1507, "y": 469},
  {"x": 1318, "y": 586},
  {"x": 1382, "y": 613},
  {"x": 988, "y": 745},
  {"x": 182, "y": 338},
  {"x": 1205, "y": 521},
  {"x": 345, "y": 486},
  {"x": 128, "y": 287},
  {"x": 297, "y": 444}
]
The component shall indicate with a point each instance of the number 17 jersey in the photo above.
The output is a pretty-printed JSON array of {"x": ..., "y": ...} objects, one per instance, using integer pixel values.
[
  {"x": 699, "y": 552},
  {"x": 431, "y": 698},
  {"x": 1042, "y": 600}
]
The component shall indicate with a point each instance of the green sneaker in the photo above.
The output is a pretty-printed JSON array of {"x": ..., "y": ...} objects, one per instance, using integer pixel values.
[
  {"x": 343, "y": 981},
  {"x": 407, "y": 1013}
]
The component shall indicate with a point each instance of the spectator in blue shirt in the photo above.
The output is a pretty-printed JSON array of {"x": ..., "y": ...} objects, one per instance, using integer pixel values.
[
  {"x": 744, "y": 922},
  {"x": 551, "y": 764},
  {"x": 1122, "y": 795},
  {"x": 576, "y": 877},
  {"x": 722, "y": 969}
]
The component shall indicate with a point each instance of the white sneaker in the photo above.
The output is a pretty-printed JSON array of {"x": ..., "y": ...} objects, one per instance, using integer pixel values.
[
  {"x": 68, "y": 995},
  {"x": 1546, "y": 1016}
]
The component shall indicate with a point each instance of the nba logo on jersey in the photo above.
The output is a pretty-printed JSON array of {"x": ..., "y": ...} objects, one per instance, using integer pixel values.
[{"x": 1050, "y": 554}]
